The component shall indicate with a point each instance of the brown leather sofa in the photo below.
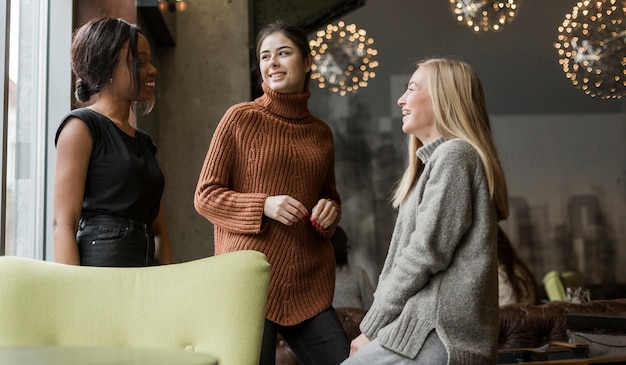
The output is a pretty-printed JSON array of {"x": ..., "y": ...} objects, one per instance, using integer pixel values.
[{"x": 521, "y": 326}]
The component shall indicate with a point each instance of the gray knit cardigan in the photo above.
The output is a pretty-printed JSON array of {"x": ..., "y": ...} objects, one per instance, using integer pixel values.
[{"x": 441, "y": 269}]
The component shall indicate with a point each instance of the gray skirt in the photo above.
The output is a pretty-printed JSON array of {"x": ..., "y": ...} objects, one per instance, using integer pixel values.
[{"x": 433, "y": 352}]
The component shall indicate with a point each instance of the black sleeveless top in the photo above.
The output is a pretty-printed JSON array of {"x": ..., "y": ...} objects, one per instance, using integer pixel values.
[{"x": 123, "y": 178}]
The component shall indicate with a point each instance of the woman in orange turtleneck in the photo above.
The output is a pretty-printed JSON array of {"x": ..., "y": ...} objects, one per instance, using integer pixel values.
[{"x": 268, "y": 184}]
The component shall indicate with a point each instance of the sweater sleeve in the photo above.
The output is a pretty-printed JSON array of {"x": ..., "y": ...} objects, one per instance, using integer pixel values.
[
  {"x": 214, "y": 197},
  {"x": 435, "y": 219}
]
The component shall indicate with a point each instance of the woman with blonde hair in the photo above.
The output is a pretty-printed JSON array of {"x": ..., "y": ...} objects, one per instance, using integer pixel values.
[{"x": 437, "y": 296}]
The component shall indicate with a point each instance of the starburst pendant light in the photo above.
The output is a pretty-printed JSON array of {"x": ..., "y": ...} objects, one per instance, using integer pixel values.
[
  {"x": 485, "y": 15},
  {"x": 344, "y": 58},
  {"x": 591, "y": 45}
]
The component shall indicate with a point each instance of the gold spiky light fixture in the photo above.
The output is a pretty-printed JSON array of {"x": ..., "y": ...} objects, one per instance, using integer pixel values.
[
  {"x": 344, "y": 58},
  {"x": 485, "y": 15},
  {"x": 591, "y": 45}
]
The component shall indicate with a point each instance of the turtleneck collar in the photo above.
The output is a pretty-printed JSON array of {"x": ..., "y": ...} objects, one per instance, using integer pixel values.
[
  {"x": 290, "y": 106},
  {"x": 424, "y": 152}
]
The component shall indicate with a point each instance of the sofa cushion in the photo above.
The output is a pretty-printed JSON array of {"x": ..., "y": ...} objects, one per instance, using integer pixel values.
[
  {"x": 531, "y": 326},
  {"x": 600, "y": 344}
]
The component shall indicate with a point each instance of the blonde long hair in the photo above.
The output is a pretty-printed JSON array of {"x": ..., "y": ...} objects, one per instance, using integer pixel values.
[{"x": 460, "y": 112}]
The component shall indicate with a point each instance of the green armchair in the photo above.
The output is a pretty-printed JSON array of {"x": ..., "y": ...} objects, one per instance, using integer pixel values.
[{"x": 214, "y": 305}]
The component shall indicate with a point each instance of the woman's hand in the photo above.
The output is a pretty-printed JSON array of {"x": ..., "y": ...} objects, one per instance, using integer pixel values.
[
  {"x": 358, "y": 343},
  {"x": 284, "y": 209},
  {"x": 324, "y": 214}
]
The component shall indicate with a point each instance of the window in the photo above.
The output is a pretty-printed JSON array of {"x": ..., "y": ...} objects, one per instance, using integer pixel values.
[{"x": 34, "y": 100}]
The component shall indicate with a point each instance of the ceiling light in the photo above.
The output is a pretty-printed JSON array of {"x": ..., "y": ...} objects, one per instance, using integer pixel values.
[{"x": 344, "y": 58}]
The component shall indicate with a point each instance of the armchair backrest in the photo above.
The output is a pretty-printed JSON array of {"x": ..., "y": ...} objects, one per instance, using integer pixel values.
[
  {"x": 215, "y": 305},
  {"x": 556, "y": 283},
  {"x": 555, "y": 290}
]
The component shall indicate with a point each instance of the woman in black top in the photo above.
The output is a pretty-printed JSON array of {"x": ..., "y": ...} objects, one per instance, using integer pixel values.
[{"x": 108, "y": 186}]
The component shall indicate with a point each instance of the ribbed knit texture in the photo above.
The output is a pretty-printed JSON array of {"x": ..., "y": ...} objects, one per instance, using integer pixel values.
[
  {"x": 273, "y": 146},
  {"x": 441, "y": 269}
]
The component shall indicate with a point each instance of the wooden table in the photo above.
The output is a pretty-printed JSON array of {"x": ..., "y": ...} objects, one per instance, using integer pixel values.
[
  {"x": 67, "y": 355},
  {"x": 556, "y": 352},
  {"x": 592, "y": 360}
]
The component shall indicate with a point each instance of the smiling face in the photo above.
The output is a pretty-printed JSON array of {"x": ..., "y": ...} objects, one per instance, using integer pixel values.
[
  {"x": 124, "y": 77},
  {"x": 147, "y": 71},
  {"x": 282, "y": 66},
  {"x": 417, "y": 108}
]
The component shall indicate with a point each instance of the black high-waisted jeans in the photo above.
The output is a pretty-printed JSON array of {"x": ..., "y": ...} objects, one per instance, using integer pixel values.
[
  {"x": 320, "y": 340},
  {"x": 105, "y": 240}
]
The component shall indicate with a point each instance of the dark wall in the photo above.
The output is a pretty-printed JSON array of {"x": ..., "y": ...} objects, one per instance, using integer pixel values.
[
  {"x": 85, "y": 10},
  {"x": 518, "y": 65}
]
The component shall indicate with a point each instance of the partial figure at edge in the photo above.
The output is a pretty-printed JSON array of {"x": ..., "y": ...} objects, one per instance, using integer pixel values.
[{"x": 353, "y": 287}]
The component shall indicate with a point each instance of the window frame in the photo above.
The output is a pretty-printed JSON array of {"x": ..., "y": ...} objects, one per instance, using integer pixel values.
[
  {"x": 53, "y": 94},
  {"x": 5, "y": 12}
]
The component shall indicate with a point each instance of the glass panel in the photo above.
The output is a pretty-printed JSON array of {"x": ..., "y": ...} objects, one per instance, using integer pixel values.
[
  {"x": 26, "y": 129},
  {"x": 4, "y": 64}
]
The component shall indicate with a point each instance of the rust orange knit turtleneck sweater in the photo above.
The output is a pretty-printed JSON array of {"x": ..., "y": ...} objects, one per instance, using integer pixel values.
[{"x": 266, "y": 147}]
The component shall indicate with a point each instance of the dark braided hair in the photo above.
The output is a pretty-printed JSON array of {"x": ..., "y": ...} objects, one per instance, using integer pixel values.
[{"x": 94, "y": 52}]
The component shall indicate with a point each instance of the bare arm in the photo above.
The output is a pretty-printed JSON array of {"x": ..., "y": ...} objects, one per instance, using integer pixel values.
[{"x": 73, "y": 151}]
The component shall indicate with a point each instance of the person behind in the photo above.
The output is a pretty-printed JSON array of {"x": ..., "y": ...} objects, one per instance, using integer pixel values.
[
  {"x": 268, "y": 184},
  {"x": 437, "y": 296},
  {"x": 108, "y": 186},
  {"x": 516, "y": 283},
  {"x": 353, "y": 287}
]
